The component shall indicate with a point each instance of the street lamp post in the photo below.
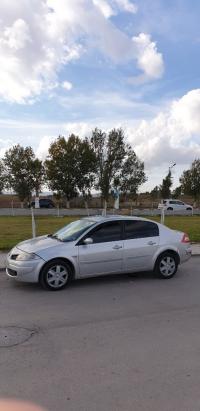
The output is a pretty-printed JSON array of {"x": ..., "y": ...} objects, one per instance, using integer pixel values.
[
  {"x": 162, "y": 217},
  {"x": 170, "y": 167}
]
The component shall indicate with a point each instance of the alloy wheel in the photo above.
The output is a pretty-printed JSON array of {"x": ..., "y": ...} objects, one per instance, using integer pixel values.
[
  {"x": 57, "y": 276},
  {"x": 167, "y": 266}
]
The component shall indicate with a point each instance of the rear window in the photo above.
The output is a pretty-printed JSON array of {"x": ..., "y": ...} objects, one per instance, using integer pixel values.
[{"x": 140, "y": 229}]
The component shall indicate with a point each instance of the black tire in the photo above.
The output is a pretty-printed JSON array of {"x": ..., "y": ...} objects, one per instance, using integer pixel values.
[
  {"x": 169, "y": 208},
  {"x": 59, "y": 280},
  {"x": 189, "y": 209},
  {"x": 166, "y": 265}
]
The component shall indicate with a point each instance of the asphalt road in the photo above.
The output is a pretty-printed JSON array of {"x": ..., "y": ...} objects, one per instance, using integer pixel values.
[{"x": 116, "y": 343}]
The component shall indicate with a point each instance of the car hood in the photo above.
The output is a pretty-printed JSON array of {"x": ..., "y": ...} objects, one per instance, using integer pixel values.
[{"x": 35, "y": 245}]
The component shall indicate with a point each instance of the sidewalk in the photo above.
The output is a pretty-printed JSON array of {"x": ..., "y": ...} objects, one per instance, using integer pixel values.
[
  {"x": 196, "y": 249},
  {"x": 195, "y": 252}
]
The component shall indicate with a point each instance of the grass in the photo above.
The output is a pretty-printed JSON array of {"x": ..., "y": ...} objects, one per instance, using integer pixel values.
[
  {"x": 16, "y": 229},
  {"x": 187, "y": 224}
]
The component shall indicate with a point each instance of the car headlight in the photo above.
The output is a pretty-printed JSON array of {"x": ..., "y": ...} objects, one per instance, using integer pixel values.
[{"x": 27, "y": 257}]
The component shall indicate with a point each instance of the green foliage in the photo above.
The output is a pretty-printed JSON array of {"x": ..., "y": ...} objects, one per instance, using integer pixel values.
[
  {"x": 117, "y": 163},
  {"x": 70, "y": 167},
  {"x": 177, "y": 192},
  {"x": 155, "y": 193},
  {"x": 132, "y": 173},
  {"x": 87, "y": 168},
  {"x": 2, "y": 177},
  {"x": 61, "y": 167},
  {"x": 23, "y": 172},
  {"x": 190, "y": 180},
  {"x": 166, "y": 186},
  {"x": 37, "y": 175}
]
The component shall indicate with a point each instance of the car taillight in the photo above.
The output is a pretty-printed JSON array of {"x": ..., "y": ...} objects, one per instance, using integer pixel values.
[{"x": 185, "y": 238}]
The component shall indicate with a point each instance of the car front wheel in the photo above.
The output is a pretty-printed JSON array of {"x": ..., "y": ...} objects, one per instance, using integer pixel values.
[
  {"x": 55, "y": 275},
  {"x": 166, "y": 265}
]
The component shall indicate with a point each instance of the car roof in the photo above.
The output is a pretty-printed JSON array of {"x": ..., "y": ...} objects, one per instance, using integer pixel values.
[{"x": 101, "y": 219}]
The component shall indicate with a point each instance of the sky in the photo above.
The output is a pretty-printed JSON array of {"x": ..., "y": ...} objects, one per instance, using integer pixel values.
[{"x": 68, "y": 66}]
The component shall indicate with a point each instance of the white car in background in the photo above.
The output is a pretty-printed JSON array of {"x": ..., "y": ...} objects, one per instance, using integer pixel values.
[
  {"x": 175, "y": 205},
  {"x": 96, "y": 246}
]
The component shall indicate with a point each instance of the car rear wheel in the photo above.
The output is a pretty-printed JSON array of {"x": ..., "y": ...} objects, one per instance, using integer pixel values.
[
  {"x": 170, "y": 208},
  {"x": 166, "y": 265},
  {"x": 56, "y": 275}
]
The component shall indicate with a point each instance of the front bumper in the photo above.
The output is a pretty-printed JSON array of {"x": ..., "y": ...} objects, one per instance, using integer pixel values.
[{"x": 25, "y": 271}]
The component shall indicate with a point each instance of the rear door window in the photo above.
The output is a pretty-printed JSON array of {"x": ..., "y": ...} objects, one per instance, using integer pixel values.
[{"x": 140, "y": 229}]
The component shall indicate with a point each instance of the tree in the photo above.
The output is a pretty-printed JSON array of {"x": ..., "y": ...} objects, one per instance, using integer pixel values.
[
  {"x": 70, "y": 167},
  {"x": 166, "y": 185},
  {"x": 23, "y": 171},
  {"x": 155, "y": 193},
  {"x": 177, "y": 192},
  {"x": 117, "y": 164},
  {"x": 61, "y": 167},
  {"x": 87, "y": 168},
  {"x": 36, "y": 175},
  {"x": 190, "y": 180},
  {"x": 132, "y": 173},
  {"x": 110, "y": 151},
  {"x": 2, "y": 177}
]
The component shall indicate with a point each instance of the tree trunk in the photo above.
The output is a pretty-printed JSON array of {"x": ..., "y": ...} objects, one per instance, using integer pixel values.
[
  {"x": 86, "y": 206},
  {"x": 104, "y": 207},
  {"x": 68, "y": 204}
]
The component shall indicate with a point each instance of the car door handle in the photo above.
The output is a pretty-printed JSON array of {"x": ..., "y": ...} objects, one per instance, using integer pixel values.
[
  {"x": 151, "y": 243},
  {"x": 117, "y": 247}
]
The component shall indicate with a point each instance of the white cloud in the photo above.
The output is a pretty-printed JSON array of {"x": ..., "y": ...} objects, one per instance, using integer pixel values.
[
  {"x": 43, "y": 147},
  {"x": 171, "y": 135},
  {"x": 16, "y": 36},
  {"x": 37, "y": 38},
  {"x": 80, "y": 129},
  {"x": 148, "y": 58},
  {"x": 110, "y": 8},
  {"x": 127, "y": 5},
  {"x": 186, "y": 111},
  {"x": 4, "y": 145},
  {"x": 104, "y": 7},
  {"x": 67, "y": 85}
]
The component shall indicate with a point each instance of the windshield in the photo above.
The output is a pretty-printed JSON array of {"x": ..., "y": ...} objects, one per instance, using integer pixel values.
[{"x": 72, "y": 231}]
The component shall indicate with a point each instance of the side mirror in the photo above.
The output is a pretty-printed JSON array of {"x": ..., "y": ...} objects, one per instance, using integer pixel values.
[{"x": 88, "y": 241}]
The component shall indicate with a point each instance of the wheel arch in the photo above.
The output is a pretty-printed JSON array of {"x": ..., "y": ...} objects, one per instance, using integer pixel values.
[
  {"x": 66, "y": 260},
  {"x": 168, "y": 250}
]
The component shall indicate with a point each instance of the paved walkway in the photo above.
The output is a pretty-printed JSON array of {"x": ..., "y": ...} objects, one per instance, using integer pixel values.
[{"x": 195, "y": 251}]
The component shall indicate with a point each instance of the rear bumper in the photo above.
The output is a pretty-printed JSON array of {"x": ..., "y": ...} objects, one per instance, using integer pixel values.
[{"x": 185, "y": 254}]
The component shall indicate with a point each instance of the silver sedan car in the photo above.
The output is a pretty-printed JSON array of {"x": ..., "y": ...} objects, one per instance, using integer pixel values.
[{"x": 95, "y": 246}]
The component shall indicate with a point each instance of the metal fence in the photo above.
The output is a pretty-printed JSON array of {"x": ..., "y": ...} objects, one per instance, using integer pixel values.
[{"x": 91, "y": 211}]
